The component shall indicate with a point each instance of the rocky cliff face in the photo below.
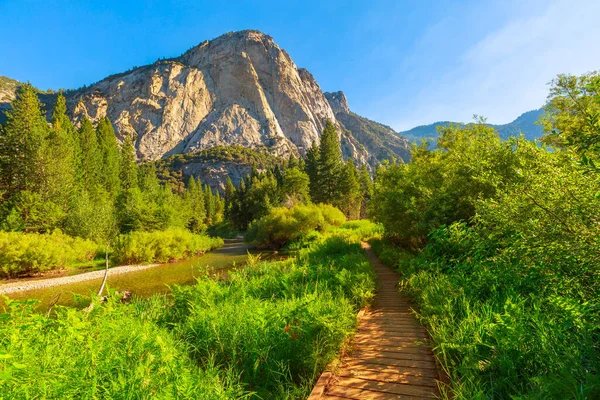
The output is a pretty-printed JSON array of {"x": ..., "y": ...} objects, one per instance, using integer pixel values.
[
  {"x": 380, "y": 141},
  {"x": 8, "y": 90},
  {"x": 239, "y": 89}
]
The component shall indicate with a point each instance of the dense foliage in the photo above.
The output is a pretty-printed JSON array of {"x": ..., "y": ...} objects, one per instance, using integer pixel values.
[
  {"x": 506, "y": 275},
  {"x": 82, "y": 182},
  {"x": 161, "y": 246},
  {"x": 322, "y": 177},
  {"x": 22, "y": 253},
  {"x": 283, "y": 225},
  {"x": 269, "y": 329}
]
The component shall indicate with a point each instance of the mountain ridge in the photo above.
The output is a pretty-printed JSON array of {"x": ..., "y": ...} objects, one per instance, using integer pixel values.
[{"x": 525, "y": 123}]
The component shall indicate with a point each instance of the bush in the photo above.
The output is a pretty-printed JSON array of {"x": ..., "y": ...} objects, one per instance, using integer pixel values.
[
  {"x": 443, "y": 185},
  {"x": 283, "y": 225},
  {"x": 27, "y": 253},
  {"x": 161, "y": 246}
]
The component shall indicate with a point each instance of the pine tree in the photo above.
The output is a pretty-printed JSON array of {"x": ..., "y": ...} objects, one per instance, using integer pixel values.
[
  {"x": 312, "y": 170},
  {"x": 61, "y": 153},
  {"x": 229, "y": 197},
  {"x": 109, "y": 148},
  {"x": 330, "y": 166},
  {"x": 195, "y": 202},
  {"x": 209, "y": 205},
  {"x": 366, "y": 184},
  {"x": 350, "y": 191},
  {"x": 90, "y": 162},
  {"x": 22, "y": 164},
  {"x": 128, "y": 167},
  {"x": 219, "y": 208}
]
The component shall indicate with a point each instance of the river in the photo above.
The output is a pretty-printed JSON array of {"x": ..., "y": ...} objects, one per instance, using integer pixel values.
[{"x": 142, "y": 283}]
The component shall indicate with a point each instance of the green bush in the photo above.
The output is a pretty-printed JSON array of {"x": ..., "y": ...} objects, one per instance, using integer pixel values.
[
  {"x": 27, "y": 253},
  {"x": 161, "y": 246},
  {"x": 283, "y": 225}
]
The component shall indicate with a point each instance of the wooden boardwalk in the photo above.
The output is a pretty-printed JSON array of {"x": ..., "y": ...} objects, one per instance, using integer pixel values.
[{"x": 390, "y": 357}]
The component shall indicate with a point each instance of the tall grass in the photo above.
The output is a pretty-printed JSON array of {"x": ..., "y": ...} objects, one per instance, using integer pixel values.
[
  {"x": 502, "y": 327},
  {"x": 116, "y": 351},
  {"x": 266, "y": 332}
]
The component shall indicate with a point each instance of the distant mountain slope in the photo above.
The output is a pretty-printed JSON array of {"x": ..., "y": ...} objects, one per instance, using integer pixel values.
[
  {"x": 525, "y": 124},
  {"x": 382, "y": 141},
  {"x": 8, "y": 89}
]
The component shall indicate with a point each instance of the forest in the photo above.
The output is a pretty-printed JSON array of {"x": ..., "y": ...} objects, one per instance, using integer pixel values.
[{"x": 497, "y": 242}]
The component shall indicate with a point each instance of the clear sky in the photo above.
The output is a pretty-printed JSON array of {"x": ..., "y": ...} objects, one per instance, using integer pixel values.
[{"x": 400, "y": 62}]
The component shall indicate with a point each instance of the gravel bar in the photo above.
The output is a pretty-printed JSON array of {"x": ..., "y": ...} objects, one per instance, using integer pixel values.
[{"x": 14, "y": 287}]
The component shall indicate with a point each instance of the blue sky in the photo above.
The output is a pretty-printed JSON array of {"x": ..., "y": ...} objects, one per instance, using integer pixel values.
[{"x": 403, "y": 62}]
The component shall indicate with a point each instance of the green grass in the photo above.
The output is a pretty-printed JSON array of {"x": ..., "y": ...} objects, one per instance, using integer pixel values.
[{"x": 268, "y": 331}]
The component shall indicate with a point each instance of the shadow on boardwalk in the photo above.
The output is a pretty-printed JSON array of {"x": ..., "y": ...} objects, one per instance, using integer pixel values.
[{"x": 391, "y": 357}]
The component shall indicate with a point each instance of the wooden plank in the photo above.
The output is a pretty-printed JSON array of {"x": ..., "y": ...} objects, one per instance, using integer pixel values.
[
  {"x": 362, "y": 394},
  {"x": 412, "y": 348},
  {"x": 359, "y": 366},
  {"x": 390, "y": 355},
  {"x": 392, "y": 362},
  {"x": 320, "y": 387},
  {"x": 409, "y": 379},
  {"x": 389, "y": 387}
]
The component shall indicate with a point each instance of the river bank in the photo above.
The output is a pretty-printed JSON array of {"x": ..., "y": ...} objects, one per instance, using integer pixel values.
[{"x": 141, "y": 280}]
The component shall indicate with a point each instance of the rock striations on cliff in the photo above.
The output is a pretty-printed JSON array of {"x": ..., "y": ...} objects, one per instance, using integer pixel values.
[{"x": 238, "y": 89}]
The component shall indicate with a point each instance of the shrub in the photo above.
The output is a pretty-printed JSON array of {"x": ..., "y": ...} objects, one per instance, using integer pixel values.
[
  {"x": 27, "y": 253},
  {"x": 283, "y": 225},
  {"x": 161, "y": 246}
]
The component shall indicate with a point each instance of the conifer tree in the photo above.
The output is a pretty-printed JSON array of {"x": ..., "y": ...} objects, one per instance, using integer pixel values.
[
  {"x": 195, "y": 202},
  {"x": 109, "y": 149},
  {"x": 366, "y": 184},
  {"x": 350, "y": 191},
  {"x": 229, "y": 197},
  {"x": 22, "y": 145},
  {"x": 219, "y": 208},
  {"x": 209, "y": 205},
  {"x": 330, "y": 166},
  {"x": 61, "y": 154},
  {"x": 90, "y": 163},
  {"x": 312, "y": 170},
  {"x": 128, "y": 166}
]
